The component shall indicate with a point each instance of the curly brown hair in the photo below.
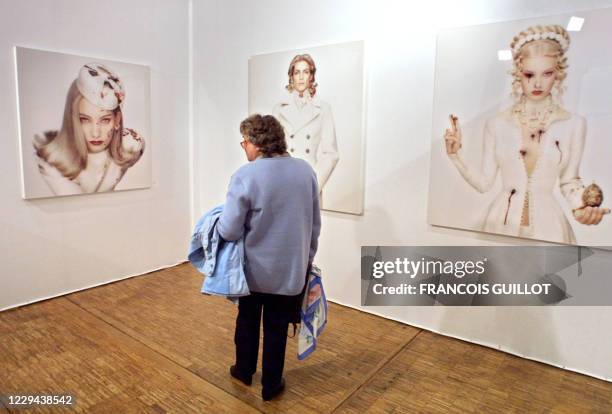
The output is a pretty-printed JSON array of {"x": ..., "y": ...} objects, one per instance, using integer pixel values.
[{"x": 266, "y": 133}]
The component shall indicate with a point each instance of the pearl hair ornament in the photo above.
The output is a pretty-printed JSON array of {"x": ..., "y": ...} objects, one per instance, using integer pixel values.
[{"x": 541, "y": 36}]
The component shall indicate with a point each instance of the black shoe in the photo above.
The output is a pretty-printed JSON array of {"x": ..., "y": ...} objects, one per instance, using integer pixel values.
[
  {"x": 246, "y": 380},
  {"x": 268, "y": 395}
]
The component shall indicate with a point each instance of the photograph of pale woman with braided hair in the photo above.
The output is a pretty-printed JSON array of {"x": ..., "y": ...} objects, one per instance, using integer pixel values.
[{"x": 535, "y": 145}]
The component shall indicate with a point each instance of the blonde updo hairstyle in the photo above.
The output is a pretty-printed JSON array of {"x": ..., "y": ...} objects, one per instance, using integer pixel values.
[{"x": 536, "y": 41}]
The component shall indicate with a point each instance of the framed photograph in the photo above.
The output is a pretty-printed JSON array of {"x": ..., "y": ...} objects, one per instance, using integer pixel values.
[
  {"x": 318, "y": 96},
  {"x": 84, "y": 124},
  {"x": 521, "y": 129}
]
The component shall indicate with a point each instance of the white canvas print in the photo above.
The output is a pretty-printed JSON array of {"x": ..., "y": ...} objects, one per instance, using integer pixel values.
[
  {"x": 521, "y": 142},
  {"x": 84, "y": 124},
  {"x": 317, "y": 94}
]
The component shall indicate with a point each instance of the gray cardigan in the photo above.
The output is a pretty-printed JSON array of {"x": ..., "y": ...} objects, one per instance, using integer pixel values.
[{"x": 274, "y": 203}]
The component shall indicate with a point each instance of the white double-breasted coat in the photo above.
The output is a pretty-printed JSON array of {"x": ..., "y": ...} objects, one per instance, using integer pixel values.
[{"x": 310, "y": 133}]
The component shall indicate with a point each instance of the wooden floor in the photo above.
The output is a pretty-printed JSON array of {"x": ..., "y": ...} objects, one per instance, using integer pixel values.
[{"x": 154, "y": 344}]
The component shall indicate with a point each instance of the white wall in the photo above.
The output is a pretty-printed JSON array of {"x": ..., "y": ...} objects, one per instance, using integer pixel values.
[
  {"x": 400, "y": 45},
  {"x": 52, "y": 246}
]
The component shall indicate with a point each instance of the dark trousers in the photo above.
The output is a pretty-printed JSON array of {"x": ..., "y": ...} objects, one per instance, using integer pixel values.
[{"x": 277, "y": 312}]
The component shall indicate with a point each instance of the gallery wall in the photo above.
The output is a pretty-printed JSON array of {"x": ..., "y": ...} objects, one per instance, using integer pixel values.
[
  {"x": 52, "y": 246},
  {"x": 400, "y": 57}
]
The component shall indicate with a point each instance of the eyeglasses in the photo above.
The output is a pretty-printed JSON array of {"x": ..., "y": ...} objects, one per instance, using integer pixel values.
[{"x": 243, "y": 143}]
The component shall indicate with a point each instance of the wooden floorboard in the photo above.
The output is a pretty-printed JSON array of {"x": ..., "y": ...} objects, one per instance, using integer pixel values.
[
  {"x": 55, "y": 347},
  {"x": 157, "y": 309},
  {"x": 155, "y": 344},
  {"x": 437, "y": 374}
]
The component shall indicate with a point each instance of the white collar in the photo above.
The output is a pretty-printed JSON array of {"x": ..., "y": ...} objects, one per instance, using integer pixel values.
[{"x": 303, "y": 100}]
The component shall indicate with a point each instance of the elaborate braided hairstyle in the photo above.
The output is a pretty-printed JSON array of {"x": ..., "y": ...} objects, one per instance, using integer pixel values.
[{"x": 550, "y": 41}]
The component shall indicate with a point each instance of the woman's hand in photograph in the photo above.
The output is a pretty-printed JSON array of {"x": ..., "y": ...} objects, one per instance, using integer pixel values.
[
  {"x": 590, "y": 215},
  {"x": 452, "y": 136}
]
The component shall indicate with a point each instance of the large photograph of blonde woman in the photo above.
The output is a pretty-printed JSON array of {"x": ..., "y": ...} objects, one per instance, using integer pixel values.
[
  {"x": 84, "y": 124},
  {"x": 524, "y": 159}
]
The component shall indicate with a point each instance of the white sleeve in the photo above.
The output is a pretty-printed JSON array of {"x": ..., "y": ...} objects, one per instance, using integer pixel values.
[
  {"x": 327, "y": 152},
  {"x": 569, "y": 180},
  {"x": 482, "y": 180}
]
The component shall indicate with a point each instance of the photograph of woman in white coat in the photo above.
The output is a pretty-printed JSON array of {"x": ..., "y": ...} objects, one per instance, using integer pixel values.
[
  {"x": 308, "y": 121},
  {"x": 535, "y": 145},
  {"x": 318, "y": 96}
]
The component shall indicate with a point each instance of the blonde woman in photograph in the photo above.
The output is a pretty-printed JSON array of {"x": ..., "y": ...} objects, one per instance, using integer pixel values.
[
  {"x": 308, "y": 121},
  {"x": 534, "y": 144},
  {"x": 92, "y": 150}
]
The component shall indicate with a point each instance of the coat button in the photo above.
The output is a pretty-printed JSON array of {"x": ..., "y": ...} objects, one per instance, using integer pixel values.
[
  {"x": 307, "y": 136},
  {"x": 307, "y": 151},
  {"x": 291, "y": 150},
  {"x": 291, "y": 136}
]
